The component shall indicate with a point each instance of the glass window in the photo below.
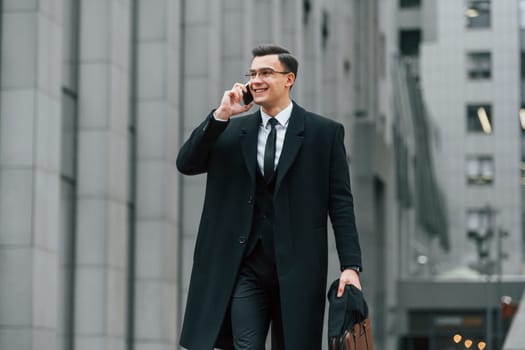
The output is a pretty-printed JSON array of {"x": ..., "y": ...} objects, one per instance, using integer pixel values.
[
  {"x": 68, "y": 179},
  {"x": 480, "y": 170},
  {"x": 409, "y": 3},
  {"x": 67, "y": 211},
  {"x": 477, "y": 13},
  {"x": 479, "y": 118},
  {"x": 478, "y": 220},
  {"x": 68, "y": 135},
  {"x": 409, "y": 42},
  {"x": 479, "y": 65}
]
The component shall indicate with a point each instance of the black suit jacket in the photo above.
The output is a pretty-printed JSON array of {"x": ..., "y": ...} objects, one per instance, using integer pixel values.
[{"x": 312, "y": 183}]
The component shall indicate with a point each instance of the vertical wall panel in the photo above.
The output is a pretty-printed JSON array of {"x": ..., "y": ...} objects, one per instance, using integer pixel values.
[
  {"x": 30, "y": 124},
  {"x": 156, "y": 292},
  {"x": 103, "y": 175}
]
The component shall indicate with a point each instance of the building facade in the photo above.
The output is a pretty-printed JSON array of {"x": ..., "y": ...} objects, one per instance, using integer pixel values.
[
  {"x": 89, "y": 190},
  {"x": 465, "y": 56},
  {"x": 97, "y": 227},
  {"x": 469, "y": 64}
]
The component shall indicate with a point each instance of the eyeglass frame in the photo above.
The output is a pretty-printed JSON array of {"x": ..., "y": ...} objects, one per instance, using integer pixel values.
[{"x": 253, "y": 74}]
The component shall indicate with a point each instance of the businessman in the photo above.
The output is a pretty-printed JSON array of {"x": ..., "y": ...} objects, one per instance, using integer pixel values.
[{"x": 273, "y": 177}]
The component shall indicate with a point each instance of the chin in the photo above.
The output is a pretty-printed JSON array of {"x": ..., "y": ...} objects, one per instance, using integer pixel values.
[{"x": 259, "y": 101}]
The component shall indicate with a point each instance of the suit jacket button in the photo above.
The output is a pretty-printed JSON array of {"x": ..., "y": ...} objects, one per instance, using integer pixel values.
[
  {"x": 250, "y": 200},
  {"x": 242, "y": 239}
]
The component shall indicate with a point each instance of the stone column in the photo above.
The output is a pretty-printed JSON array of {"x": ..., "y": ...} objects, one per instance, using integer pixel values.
[
  {"x": 157, "y": 111},
  {"x": 103, "y": 175},
  {"x": 30, "y": 132}
]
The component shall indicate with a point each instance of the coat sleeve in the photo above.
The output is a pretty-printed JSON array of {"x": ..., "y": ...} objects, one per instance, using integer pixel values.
[
  {"x": 195, "y": 152},
  {"x": 341, "y": 204}
]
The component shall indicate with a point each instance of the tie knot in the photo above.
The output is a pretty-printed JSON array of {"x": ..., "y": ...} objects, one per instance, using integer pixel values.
[{"x": 273, "y": 122}]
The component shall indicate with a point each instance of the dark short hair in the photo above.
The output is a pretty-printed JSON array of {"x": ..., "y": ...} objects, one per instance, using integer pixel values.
[{"x": 284, "y": 55}]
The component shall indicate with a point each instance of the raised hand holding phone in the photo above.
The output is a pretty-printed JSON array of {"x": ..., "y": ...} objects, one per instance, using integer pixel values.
[
  {"x": 247, "y": 96},
  {"x": 232, "y": 102}
]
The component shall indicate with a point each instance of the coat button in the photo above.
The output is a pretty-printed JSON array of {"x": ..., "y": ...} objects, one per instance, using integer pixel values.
[
  {"x": 250, "y": 200},
  {"x": 242, "y": 239}
]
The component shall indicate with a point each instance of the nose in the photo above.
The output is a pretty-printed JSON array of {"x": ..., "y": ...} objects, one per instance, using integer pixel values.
[{"x": 257, "y": 77}]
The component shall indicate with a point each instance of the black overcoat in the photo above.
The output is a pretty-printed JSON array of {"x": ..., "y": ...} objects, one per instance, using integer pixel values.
[{"x": 312, "y": 182}]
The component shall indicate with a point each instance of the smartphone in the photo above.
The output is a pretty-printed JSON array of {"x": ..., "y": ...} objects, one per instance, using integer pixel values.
[{"x": 247, "y": 97}]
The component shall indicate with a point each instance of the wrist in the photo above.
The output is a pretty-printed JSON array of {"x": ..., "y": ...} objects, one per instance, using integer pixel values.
[
  {"x": 221, "y": 114},
  {"x": 352, "y": 267}
]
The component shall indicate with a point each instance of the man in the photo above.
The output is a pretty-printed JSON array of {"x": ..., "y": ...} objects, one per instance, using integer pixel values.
[{"x": 261, "y": 252}]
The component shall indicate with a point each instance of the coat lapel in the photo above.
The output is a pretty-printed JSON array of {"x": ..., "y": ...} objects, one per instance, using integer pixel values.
[
  {"x": 293, "y": 141},
  {"x": 248, "y": 139}
]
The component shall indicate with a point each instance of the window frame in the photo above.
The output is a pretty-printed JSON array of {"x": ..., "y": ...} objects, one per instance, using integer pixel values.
[
  {"x": 475, "y": 61},
  {"x": 483, "y": 19},
  {"x": 480, "y": 179},
  {"x": 472, "y": 116}
]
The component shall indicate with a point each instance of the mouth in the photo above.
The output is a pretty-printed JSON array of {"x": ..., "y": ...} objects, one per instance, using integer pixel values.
[{"x": 259, "y": 91}]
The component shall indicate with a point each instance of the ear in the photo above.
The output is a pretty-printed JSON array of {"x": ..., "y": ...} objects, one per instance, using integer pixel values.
[{"x": 290, "y": 80}]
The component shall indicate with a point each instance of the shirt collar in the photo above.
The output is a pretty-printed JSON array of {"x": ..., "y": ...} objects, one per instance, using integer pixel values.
[{"x": 282, "y": 117}]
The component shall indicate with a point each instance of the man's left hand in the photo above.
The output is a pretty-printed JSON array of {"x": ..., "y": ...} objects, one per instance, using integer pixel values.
[{"x": 348, "y": 276}]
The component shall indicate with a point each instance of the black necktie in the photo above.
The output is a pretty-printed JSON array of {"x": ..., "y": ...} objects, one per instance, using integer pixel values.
[{"x": 269, "y": 152}]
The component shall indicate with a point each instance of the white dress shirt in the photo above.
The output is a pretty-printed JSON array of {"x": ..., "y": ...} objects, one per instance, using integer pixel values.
[{"x": 283, "y": 117}]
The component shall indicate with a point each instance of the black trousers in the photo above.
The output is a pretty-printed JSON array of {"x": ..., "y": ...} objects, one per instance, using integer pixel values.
[{"x": 256, "y": 304}]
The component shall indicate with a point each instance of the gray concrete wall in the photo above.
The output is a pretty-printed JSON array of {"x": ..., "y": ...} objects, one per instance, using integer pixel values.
[
  {"x": 469, "y": 294},
  {"x": 157, "y": 111},
  {"x": 30, "y": 122},
  {"x": 101, "y": 266}
]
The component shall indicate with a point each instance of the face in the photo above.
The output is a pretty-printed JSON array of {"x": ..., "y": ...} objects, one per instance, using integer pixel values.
[{"x": 270, "y": 90}]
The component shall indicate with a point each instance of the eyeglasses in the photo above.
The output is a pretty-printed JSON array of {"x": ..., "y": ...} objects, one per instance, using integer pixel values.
[{"x": 264, "y": 73}]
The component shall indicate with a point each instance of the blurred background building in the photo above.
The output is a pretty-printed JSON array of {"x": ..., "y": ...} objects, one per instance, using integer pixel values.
[
  {"x": 465, "y": 58},
  {"x": 97, "y": 227}
]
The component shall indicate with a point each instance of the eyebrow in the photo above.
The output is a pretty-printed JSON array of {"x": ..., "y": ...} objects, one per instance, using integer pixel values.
[{"x": 253, "y": 70}]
